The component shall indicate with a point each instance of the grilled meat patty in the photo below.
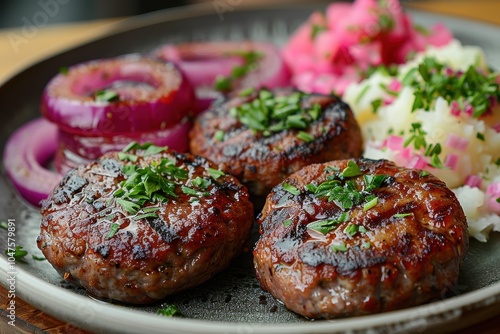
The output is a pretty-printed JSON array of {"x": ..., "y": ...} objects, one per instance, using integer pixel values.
[
  {"x": 139, "y": 231},
  {"x": 351, "y": 238},
  {"x": 266, "y": 136}
]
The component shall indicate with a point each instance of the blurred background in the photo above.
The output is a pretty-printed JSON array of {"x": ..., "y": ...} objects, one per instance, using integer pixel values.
[{"x": 15, "y": 13}]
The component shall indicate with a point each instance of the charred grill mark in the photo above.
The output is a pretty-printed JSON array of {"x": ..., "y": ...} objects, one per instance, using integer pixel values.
[
  {"x": 315, "y": 254},
  {"x": 111, "y": 165},
  {"x": 103, "y": 250},
  {"x": 166, "y": 233}
]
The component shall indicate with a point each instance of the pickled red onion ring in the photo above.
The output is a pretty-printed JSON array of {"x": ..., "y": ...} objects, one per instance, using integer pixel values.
[
  {"x": 28, "y": 149},
  {"x": 150, "y": 95},
  {"x": 204, "y": 62},
  {"x": 75, "y": 150}
]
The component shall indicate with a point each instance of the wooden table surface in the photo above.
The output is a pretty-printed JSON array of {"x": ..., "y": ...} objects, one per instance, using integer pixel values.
[{"x": 18, "y": 49}]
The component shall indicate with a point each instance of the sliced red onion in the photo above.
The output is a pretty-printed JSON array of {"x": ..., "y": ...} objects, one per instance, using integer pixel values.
[
  {"x": 74, "y": 149},
  {"x": 26, "y": 152},
  {"x": 143, "y": 95},
  {"x": 204, "y": 62}
]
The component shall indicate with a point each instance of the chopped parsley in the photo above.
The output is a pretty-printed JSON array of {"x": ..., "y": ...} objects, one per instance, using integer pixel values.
[
  {"x": 18, "y": 253},
  {"x": 169, "y": 310},
  {"x": 219, "y": 136},
  {"x": 480, "y": 136},
  {"x": 107, "y": 96},
  {"x": 287, "y": 222},
  {"x": 215, "y": 173},
  {"x": 112, "y": 230},
  {"x": 371, "y": 202},
  {"x": 473, "y": 87},
  {"x": 316, "y": 29},
  {"x": 340, "y": 247},
  {"x": 251, "y": 61},
  {"x": 156, "y": 182},
  {"x": 305, "y": 136},
  {"x": 345, "y": 194},
  {"x": 268, "y": 114},
  {"x": 351, "y": 230},
  {"x": 351, "y": 170},
  {"x": 291, "y": 189},
  {"x": 38, "y": 258},
  {"x": 403, "y": 215},
  {"x": 327, "y": 225}
]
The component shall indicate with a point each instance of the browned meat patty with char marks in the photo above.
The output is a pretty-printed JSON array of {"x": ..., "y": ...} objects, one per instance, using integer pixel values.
[
  {"x": 178, "y": 243},
  {"x": 261, "y": 162},
  {"x": 327, "y": 257}
]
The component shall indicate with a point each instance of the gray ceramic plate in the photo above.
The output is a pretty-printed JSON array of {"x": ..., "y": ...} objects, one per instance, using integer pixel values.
[{"x": 232, "y": 302}]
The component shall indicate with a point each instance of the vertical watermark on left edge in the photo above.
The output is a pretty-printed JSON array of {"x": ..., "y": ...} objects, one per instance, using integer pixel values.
[{"x": 11, "y": 271}]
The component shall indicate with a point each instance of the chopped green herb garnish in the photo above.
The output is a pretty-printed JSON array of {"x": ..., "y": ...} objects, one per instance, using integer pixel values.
[
  {"x": 326, "y": 225},
  {"x": 219, "y": 135},
  {"x": 436, "y": 162},
  {"x": 417, "y": 137},
  {"x": 339, "y": 247},
  {"x": 132, "y": 146},
  {"x": 189, "y": 191},
  {"x": 64, "y": 70},
  {"x": 424, "y": 173},
  {"x": 246, "y": 92},
  {"x": 287, "y": 222},
  {"x": 366, "y": 245},
  {"x": 18, "y": 253},
  {"x": 251, "y": 61},
  {"x": 361, "y": 94},
  {"x": 169, "y": 311},
  {"x": 128, "y": 206},
  {"x": 112, "y": 230},
  {"x": 351, "y": 170},
  {"x": 373, "y": 182},
  {"x": 4, "y": 225},
  {"x": 106, "y": 96},
  {"x": 215, "y": 173},
  {"x": 38, "y": 258},
  {"x": 305, "y": 136},
  {"x": 480, "y": 136},
  {"x": 362, "y": 229},
  {"x": 351, "y": 230},
  {"x": 201, "y": 183},
  {"x": 127, "y": 156},
  {"x": 376, "y": 104},
  {"x": 153, "y": 149},
  {"x": 291, "y": 189},
  {"x": 403, "y": 215},
  {"x": 268, "y": 114},
  {"x": 316, "y": 29},
  {"x": 371, "y": 202},
  {"x": 433, "y": 79},
  {"x": 153, "y": 183}
]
